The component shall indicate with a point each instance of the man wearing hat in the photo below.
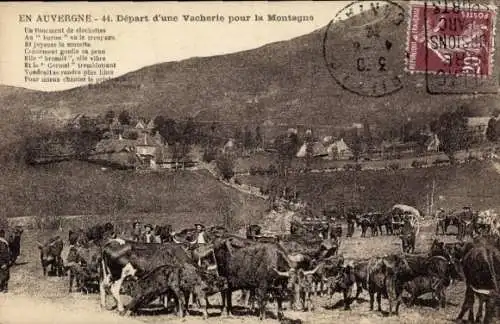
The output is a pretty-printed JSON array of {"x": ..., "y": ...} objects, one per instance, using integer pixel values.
[
  {"x": 147, "y": 236},
  {"x": 136, "y": 231},
  {"x": 200, "y": 236}
]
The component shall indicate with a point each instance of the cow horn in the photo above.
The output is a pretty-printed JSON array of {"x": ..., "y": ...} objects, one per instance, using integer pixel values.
[
  {"x": 175, "y": 241},
  {"x": 40, "y": 245},
  {"x": 282, "y": 274},
  {"x": 71, "y": 264},
  {"x": 313, "y": 271},
  {"x": 387, "y": 263}
]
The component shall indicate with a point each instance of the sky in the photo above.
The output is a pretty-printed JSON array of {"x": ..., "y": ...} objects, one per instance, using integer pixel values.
[{"x": 145, "y": 43}]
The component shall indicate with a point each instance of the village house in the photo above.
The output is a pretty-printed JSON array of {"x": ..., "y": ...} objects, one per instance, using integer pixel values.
[
  {"x": 339, "y": 150},
  {"x": 476, "y": 128},
  {"x": 433, "y": 143},
  {"x": 317, "y": 150}
]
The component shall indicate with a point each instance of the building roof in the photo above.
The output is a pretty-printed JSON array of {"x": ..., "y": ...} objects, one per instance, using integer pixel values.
[
  {"x": 477, "y": 121},
  {"x": 339, "y": 146},
  {"x": 115, "y": 145},
  {"x": 319, "y": 149}
]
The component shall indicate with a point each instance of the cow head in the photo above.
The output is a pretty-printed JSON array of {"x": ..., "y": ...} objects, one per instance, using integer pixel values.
[
  {"x": 45, "y": 252},
  {"x": 328, "y": 248},
  {"x": 305, "y": 278},
  {"x": 18, "y": 231},
  {"x": 253, "y": 230},
  {"x": 345, "y": 277},
  {"x": 291, "y": 275}
]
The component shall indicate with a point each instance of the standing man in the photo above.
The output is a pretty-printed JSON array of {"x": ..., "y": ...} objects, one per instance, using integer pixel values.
[
  {"x": 147, "y": 236},
  {"x": 136, "y": 231},
  {"x": 4, "y": 262},
  {"x": 351, "y": 221},
  {"x": 200, "y": 238}
]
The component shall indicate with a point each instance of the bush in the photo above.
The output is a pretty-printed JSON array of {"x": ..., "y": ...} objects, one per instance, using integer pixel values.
[
  {"x": 237, "y": 181},
  {"x": 225, "y": 164},
  {"x": 358, "y": 167},
  {"x": 253, "y": 170}
]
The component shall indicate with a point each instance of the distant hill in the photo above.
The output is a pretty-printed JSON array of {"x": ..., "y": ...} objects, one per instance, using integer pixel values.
[{"x": 285, "y": 82}]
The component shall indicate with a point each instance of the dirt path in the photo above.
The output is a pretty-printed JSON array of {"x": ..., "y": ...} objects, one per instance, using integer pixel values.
[{"x": 17, "y": 309}]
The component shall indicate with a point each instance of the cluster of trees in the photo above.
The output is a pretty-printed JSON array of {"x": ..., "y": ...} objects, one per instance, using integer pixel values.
[{"x": 247, "y": 138}]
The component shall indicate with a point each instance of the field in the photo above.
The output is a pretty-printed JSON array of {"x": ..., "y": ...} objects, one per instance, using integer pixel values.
[
  {"x": 473, "y": 184},
  {"x": 49, "y": 302},
  {"x": 77, "y": 188}
]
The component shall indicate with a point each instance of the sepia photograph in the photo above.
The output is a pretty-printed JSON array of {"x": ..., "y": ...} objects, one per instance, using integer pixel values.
[{"x": 262, "y": 162}]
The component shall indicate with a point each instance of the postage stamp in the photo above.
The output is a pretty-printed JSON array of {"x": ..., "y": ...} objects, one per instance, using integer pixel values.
[
  {"x": 362, "y": 50},
  {"x": 453, "y": 43}
]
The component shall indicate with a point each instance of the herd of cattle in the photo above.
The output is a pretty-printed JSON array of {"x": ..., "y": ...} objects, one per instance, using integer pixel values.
[{"x": 294, "y": 267}]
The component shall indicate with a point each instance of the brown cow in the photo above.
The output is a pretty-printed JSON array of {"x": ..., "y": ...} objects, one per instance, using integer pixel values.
[{"x": 50, "y": 255}]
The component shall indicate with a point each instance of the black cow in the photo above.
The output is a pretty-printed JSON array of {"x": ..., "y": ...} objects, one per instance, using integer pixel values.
[
  {"x": 50, "y": 255},
  {"x": 121, "y": 259},
  {"x": 83, "y": 267},
  {"x": 15, "y": 244},
  {"x": 448, "y": 250},
  {"x": 481, "y": 266},
  {"x": 97, "y": 233},
  {"x": 330, "y": 268},
  {"x": 158, "y": 281},
  {"x": 177, "y": 280},
  {"x": 259, "y": 266},
  {"x": 164, "y": 232},
  {"x": 381, "y": 282},
  {"x": 77, "y": 237},
  {"x": 343, "y": 282},
  {"x": 409, "y": 267},
  {"x": 5, "y": 263},
  {"x": 360, "y": 270},
  {"x": 366, "y": 221},
  {"x": 425, "y": 284},
  {"x": 408, "y": 237}
]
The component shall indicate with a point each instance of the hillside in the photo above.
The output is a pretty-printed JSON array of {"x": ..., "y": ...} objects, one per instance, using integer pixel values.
[
  {"x": 75, "y": 188},
  {"x": 474, "y": 184},
  {"x": 283, "y": 82}
]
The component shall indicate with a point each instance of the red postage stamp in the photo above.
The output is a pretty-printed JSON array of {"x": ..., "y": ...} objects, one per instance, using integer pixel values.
[{"x": 451, "y": 39}]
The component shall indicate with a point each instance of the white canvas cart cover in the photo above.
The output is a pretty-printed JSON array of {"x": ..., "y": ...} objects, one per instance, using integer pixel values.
[{"x": 405, "y": 208}]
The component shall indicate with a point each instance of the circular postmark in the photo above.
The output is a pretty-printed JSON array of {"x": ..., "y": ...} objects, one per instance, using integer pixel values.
[{"x": 364, "y": 47}]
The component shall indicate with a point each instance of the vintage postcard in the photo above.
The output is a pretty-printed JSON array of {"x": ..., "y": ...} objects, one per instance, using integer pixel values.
[{"x": 211, "y": 162}]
